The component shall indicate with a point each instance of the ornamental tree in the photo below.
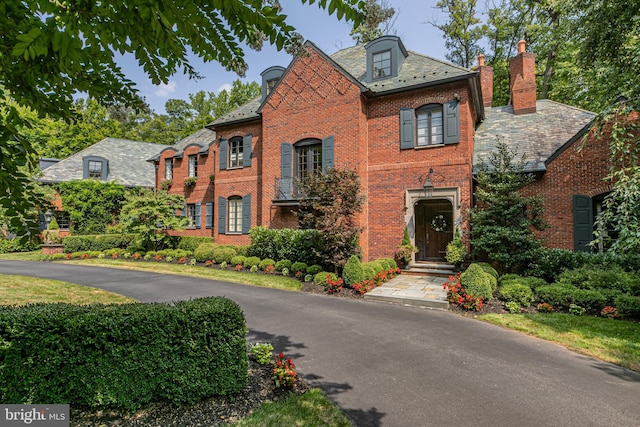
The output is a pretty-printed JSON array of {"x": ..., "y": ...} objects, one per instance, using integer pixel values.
[
  {"x": 329, "y": 204},
  {"x": 52, "y": 50},
  {"x": 503, "y": 220}
]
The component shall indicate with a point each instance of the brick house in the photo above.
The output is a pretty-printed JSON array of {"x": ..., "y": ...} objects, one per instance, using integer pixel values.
[{"x": 411, "y": 126}]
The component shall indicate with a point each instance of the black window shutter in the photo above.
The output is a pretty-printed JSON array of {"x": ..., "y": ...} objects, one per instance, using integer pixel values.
[
  {"x": 286, "y": 170},
  {"x": 451, "y": 121},
  {"x": 224, "y": 148},
  {"x": 246, "y": 151},
  {"x": 246, "y": 214},
  {"x": 198, "y": 218},
  {"x": 209, "y": 212},
  {"x": 582, "y": 223},
  {"x": 407, "y": 128},
  {"x": 327, "y": 153},
  {"x": 222, "y": 215}
]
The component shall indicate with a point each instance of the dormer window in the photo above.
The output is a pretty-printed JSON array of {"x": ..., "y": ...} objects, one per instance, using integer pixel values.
[
  {"x": 270, "y": 78},
  {"x": 385, "y": 56},
  {"x": 381, "y": 64},
  {"x": 95, "y": 167}
]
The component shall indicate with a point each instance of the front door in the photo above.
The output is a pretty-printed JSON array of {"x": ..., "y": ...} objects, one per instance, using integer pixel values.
[{"x": 434, "y": 229}]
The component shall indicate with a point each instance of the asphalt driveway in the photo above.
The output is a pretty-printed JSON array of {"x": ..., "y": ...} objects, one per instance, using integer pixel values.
[{"x": 391, "y": 365}]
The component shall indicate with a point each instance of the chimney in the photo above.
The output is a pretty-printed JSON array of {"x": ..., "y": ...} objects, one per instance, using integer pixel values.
[
  {"x": 486, "y": 81},
  {"x": 523, "y": 80}
]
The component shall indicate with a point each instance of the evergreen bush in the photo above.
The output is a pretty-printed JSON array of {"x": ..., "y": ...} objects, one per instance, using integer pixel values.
[
  {"x": 628, "y": 306},
  {"x": 191, "y": 243},
  {"x": 284, "y": 263},
  {"x": 265, "y": 263},
  {"x": 224, "y": 253},
  {"x": 516, "y": 292},
  {"x": 314, "y": 269},
  {"x": 321, "y": 278},
  {"x": 559, "y": 295},
  {"x": 353, "y": 271},
  {"x": 238, "y": 260},
  {"x": 205, "y": 251},
  {"x": 251, "y": 262},
  {"x": 299, "y": 266},
  {"x": 477, "y": 282}
]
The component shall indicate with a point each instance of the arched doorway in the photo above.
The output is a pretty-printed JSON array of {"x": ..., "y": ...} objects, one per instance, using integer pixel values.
[{"x": 434, "y": 226}]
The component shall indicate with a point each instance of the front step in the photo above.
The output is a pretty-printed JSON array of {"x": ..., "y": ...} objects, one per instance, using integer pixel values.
[{"x": 437, "y": 269}]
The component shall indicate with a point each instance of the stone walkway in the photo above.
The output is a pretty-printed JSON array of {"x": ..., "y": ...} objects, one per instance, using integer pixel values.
[{"x": 424, "y": 291}]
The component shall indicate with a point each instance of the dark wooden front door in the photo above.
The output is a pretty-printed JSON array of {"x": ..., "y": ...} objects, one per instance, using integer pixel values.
[{"x": 434, "y": 229}]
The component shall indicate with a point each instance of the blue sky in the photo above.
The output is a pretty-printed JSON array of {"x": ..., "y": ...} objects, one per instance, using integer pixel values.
[{"x": 315, "y": 25}]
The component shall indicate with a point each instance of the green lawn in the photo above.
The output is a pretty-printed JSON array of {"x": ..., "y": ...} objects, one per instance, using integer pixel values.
[{"x": 615, "y": 341}]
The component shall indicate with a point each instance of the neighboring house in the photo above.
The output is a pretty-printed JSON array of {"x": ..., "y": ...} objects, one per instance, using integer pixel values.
[
  {"x": 112, "y": 160},
  {"x": 411, "y": 126},
  {"x": 187, "y": 168}
]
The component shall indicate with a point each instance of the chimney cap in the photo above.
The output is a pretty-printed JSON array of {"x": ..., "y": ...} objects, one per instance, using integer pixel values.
[
  {"x": 522, "y": 46},
  {"x": 481, "y": 60}
]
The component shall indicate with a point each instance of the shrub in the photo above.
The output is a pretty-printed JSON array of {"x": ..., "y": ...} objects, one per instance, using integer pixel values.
[
  {"x": 516, "y": 292},
  {"x": 262, "y": 353},
  {"x": 284, "y": 372},
  {"x": 369, "y": 271},
  {"x": 596, "y": 279},
  {"x": 299, "y": 266},
  {"x": 314, "y": 269},
  {"x": 285, "y": 263},
  {"x": 205, "y": 251},
  {"x": 242, "y": 250},
  {"x": 266, "y": 263},
  {"x": 545, "y": 307},
  {"x": 191, "y": 243},
  {"x": 628, "y": 306},
  {"x": 512, "y": 307},
  {"x": 377, "y": 266},
  {"x": 458, "y": 295},
  {"x": 576, "y": 310},
  {"x": 238, "y": 260},
  {"x": 283, "y": 243},
  {"x": 477, "y": 282},
  {"x": 100, "y": 242},
  {"x": 15, "y": 245},
  {"x": 389, "y": 263},
  {"x": 253, "y": 268},
  {"x": 321, "y": 278},
  {"x": 455, "y": 251},
  {"x": 558, "y": 295},
  {"x": 592, "y": 301},
  {"x": 609, "y": 312},
  {"x": 252, "y": 261},
  {"x": 108, "y": 356},
  {"x": 285, "y": 271},
  {"x": 224, "y": 253},
  {"x": 488, "y": 269},
  {"x": 353, "y": 271}
]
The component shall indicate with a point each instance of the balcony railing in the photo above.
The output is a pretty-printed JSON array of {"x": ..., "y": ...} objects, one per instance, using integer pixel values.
[{"x": 286, "y": 191}]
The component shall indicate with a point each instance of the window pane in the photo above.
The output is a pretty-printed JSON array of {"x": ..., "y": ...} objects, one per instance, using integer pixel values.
[
  {"x": 382, "y": 64},
  {"x": 168, "y": 170},
  {"x": 193, "y": 166},
  {"x": 235, "y": 153},
  {"x": 95, "y": 169},
  {"x": 235, "y": 215}
]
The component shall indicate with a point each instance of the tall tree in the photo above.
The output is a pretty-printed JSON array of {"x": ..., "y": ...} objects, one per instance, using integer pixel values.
[
  {"x": 50, "y": 50},
  {"x": 378, "y": 21},
  {"x": 462, "y": 31}
]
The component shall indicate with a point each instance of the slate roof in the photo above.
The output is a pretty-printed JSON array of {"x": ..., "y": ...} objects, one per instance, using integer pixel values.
[
  {"x": 537, "y": 135},
  {"x": 127, "y": 159},
  {"x": 202, "y": 138},
  {"x": 416, "y": 70}
]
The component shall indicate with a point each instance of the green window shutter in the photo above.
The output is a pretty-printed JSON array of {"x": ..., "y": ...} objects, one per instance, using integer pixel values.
[
  {"x": 407, "y": 128},
  {"x": 327, "y": 153},
  {"x": 198, "y": 218},
  {"x": 582, "y": 223},
  {"x": 246, "y": 214},
  {"x": 224, "y": 148},
  {"x": 286, "y": 171},
  {"x": 209, "y": 213},
  {"x": 246, "y": 151},
  {"x": 451, "y": 121},
  {"x": 222, "y": 215}
]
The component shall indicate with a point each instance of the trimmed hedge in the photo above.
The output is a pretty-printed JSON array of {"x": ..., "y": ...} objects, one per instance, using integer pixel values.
[
  {"x": 559, "y": 295},
  {"x": 204, "y": 252},
  {"x": 284, "y": 263},
  {"x": 283, "y": 243},
  {"x": 477, "y": 282},
  {"x": 100, "y": 242},
  {"x": 251, "y": 261},
  {"x": 314, "y": 269},
  {"x": 299, "y": 266},
  {"x": 353, "y": 271},
  {"x": 267, "y": 262},
  {"x": 122, "y": 356},
  {"x": 191, "y": 243},
  {"x": 517, "y": 292},
  {"x": 628, "y": 306},
  {"x": 238, "y": 260}
]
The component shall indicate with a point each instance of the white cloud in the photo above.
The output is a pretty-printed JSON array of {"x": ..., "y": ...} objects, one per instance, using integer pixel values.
[
  {"x": 164, "y": 90},
  {"x": 226, "y": 87}
]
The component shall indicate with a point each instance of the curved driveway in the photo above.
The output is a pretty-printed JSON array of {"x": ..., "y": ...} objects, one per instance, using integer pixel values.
[{"x": 391, "y": 365}]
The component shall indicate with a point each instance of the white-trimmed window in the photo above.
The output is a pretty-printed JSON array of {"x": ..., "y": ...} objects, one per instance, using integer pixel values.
[
  {"x": 193, "y": 166},
  {"x": 191, "y": 215},
  {"x": 168, "y": 169},
  {"x": 235, "y": 152},
  {"x": 429, "y": 125},
  {"x": 95, "y": 169},
  {"x": 235, "y": 215}
]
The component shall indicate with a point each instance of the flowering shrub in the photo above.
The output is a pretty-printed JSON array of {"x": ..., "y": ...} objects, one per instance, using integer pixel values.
[
  {"x": 114, "y": 255},
  {"x": 299, "y": 275},
  {"x": 182, "y": 260},
  {"x": 545, "y": 307},
  {"x": 68, "y": 256},
  {"x": 86, "y": 256},
  {"x": 457, "y": 295},
  {"x": 269, "y": 269},
  {"x": 158, "y": 257},
  {"x": 238, "y": 267},
  {"x": 364, "y": 286},
  {"x": 136, "y": 256},
  {"x": 208, "y": 263},
  {"x": 284, "y": 372},
  {"x": 333, "y": 286},
  {"x": 609, "y": 312}
]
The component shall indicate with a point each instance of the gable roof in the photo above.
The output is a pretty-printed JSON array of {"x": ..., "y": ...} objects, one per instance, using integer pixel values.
[
  {"x": 203, "y": 138},
  {"x": 417, "y": 71},
  {"x": 127, "y": 159},
  {"x": 538, "y": 136}
]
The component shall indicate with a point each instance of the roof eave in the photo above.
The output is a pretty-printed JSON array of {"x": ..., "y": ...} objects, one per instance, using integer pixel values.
[
  {"x": 214, "y": 125},
  {"x": 376, "y": 94}
]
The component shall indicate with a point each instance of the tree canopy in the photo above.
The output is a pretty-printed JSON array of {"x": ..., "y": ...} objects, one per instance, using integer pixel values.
[{"x": 53, "y": 50}]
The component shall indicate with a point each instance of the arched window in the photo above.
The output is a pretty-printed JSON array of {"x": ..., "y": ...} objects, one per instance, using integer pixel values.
[
  {"x": 429, "y": 125},
  {"x": 235, "y": 214},
  {"x": 308, "y": 157}
]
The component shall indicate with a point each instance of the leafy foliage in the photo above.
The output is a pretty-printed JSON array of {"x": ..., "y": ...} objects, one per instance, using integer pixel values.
[
  {"x": 283, "y": 244},
  {"x": 503, "y": 219},
  {"x": 151, "y": 215},
  {"x": 329, "y": 204},
  {"x": 353, "y": 271},
  {"x": 377, "y": 21},
  {"x": 92, "y": 205}
]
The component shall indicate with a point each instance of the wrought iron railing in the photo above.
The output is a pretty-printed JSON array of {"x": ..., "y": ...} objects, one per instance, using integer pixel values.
[{"x": 286, "y": 189}]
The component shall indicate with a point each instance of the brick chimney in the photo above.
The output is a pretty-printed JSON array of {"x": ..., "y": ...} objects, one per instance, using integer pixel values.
[
  {"x": 523, "y": 81},
  {"x": 486, "y": 81}
]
